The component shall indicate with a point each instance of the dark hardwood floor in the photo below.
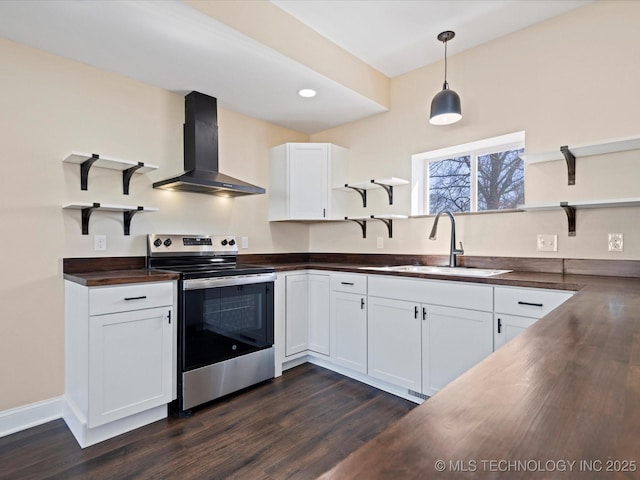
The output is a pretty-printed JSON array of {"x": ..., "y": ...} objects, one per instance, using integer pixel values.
[{"x": 296, "y": 426}]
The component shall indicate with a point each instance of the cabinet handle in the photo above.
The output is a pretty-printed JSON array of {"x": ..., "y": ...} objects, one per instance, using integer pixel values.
[
  {"x": 362, "y": 304},
  {"x": 169, "y": 316},
  {"x": 324, "y": 212},
  {"x": 424, "y": 313},
  {"x": 415, "y": 312},
  {"x": 135, "y": 298},
  {"x": 530, "y": 304},
  {"x": 499, "y": 325},
  {"x": 347, "y": 283}
]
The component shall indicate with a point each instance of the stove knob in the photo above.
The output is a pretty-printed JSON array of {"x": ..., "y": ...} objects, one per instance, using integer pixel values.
[
  {"x": 157, "y": 242},
  {"x": 167, "y": 242},
  {"x": 232, "y": 242},
  {"x": 224, "y": 242}
]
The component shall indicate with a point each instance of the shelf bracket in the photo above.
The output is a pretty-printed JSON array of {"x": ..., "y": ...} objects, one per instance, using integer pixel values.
[
  {"x": 86, "y": 215},
  {"x": 388, "y": 222},
  {"x": 361, "y": 191},
  {"x": 571, "y": 164},
  {"x": 126, "y": 176},
  {"x": 388, "y": 189},
  {"x": 362, "y": 223},
  {"x": 571, "y": 217},
  {"x": 127, "y": 216},
  {"x": 84, "y": 170}
]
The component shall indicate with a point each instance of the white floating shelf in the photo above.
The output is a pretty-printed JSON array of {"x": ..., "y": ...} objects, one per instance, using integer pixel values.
[
  {"x": 128, "y": 212},
  {"x": 386, "y": 183},
  {"x": 621, "y": 202},
  {"x": 599, "y": 148},
  {"x": 570, "y": 208},
  {"x": 110, "y": 163},
  {"x": 127, "y": 167},
  {"x": 386, "y": 219}
]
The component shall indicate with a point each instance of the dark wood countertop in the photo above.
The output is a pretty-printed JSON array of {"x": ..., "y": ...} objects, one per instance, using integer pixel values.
[
  {"x": 566, "y": 390},
  {"x": 118, "y": 277}
]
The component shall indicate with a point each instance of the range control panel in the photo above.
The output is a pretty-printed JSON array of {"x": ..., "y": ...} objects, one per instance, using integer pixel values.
[{"x": 195, "y": 244}]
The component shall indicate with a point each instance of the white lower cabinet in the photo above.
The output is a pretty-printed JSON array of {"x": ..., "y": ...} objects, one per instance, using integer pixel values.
[
  {"x": 307, "y": 325},
  {"x": 394, "y": 342},
  {"x": 120, "y": 357},
  {"x": 517, "y": 308},
  {"x": 349, "y": 330},
  {"x": 508, "y": 327},
  {"x": 297, "y": 314},
  {"x": 453, "y": 341},
  {"x": 319, "y": 312},
  {"x": 129, "y": 363}
]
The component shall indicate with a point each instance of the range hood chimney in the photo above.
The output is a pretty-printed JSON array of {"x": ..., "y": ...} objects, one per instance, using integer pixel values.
[{"x": 201, "y": 154}]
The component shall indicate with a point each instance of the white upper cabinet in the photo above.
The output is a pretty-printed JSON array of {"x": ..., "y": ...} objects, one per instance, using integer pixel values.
[{"x": 303, "y": 179}]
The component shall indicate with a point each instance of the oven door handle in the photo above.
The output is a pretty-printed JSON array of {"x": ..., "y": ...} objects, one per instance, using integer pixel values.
[{"x": 228, "y": 281}]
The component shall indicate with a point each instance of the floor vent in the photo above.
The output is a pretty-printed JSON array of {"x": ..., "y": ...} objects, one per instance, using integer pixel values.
[{"x": 418, "y": 394}]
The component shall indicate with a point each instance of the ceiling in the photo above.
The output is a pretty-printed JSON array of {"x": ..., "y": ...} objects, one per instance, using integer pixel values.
[{"x": 178, "y": 48}]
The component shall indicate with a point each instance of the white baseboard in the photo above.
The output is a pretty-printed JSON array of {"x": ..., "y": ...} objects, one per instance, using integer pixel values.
[{"x": 27, "y": 416}]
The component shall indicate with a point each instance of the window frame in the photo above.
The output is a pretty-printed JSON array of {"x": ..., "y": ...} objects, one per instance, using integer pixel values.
[{"x": 419, "y": 170}]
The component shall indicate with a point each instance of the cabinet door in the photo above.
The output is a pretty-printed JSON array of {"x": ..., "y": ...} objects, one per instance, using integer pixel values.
[
  {"x": 308, "y": 181},
  {"x": 297, "y": 314},
  {"x": 454, "y": 340},
  {"x": 349, "y": 330},
  {"x": 130, "y": 360},
  {"x": 319, "y": 325},
  {"x": 394, "y": 342},
  {"x": 508, "y": 327}
]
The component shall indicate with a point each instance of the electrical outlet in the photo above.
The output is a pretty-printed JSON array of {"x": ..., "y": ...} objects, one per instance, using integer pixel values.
[
  {"x": 616, "y": 242},
  {"x": 245, "y": 242},
  {"x": 100, "y": 243},
  {"x": 380, "y": 242},
  {"x": 547, "y": 243}
]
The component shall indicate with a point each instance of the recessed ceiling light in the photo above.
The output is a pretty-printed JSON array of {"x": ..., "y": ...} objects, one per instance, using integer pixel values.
[{"x": 307, "y": 92}]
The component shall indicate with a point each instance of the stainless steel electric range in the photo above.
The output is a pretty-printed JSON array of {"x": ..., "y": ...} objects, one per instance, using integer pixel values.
[{"x": 225, "y": 316}]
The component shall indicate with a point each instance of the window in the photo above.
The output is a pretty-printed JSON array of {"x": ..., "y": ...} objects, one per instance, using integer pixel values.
[{"x": 477, "y": 176}]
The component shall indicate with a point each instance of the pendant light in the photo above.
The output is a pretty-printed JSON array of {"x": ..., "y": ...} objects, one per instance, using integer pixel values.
[{"x": 445, "y": 106}]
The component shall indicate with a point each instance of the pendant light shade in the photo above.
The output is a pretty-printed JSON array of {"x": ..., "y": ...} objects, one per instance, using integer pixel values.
[{"x": 445, "y": 106}]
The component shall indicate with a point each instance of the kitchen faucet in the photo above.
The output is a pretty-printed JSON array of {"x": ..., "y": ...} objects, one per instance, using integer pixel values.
[{"x": 453, "y": 251}]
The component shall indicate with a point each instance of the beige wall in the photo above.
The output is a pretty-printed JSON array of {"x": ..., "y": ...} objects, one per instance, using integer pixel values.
[
  {"x": 49, "y": 107},
  {"x": 567, "y": 81}
]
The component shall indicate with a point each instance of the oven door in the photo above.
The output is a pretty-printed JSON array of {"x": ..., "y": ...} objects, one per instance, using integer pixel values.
[{"x": 223, "y": 322}]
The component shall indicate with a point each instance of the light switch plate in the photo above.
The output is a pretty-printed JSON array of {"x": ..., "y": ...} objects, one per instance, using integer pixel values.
[
  {"x": 245, "y": 242},
  {"x": 547, "y": 243},
  {"x": 380, "y": 242}
]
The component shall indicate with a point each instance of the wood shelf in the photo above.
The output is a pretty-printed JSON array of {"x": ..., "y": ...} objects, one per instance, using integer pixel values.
[
  {"x": 127, "y": 167},
  {"x": 127, "y": 213},
  {"x": 385, "y": 183},
  {"x": 570, "y": 208}
]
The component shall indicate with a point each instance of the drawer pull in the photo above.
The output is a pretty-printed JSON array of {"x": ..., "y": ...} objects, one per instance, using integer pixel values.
[
  {"x": 347, "y": 283},
  {"x": 530, "y": 304},
  {"x": 135, "y": 298}
]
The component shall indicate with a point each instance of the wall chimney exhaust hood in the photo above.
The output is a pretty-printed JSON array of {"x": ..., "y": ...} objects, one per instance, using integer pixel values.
[{"x": 201, "y": 154}]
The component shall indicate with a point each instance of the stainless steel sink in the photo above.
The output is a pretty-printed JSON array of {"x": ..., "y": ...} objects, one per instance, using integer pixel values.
[{"x": 435, "y": 270}]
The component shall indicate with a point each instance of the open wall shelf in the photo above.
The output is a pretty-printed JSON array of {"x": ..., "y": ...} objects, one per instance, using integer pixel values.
[
  {"x": 127, "y": 213},
  {"x": 385, "y": 183},
  {"x": 570, "y": 208},
  {"x": 386, "y": 219},
  {"x": 569, "y": 154},
  {"x": 127, "y": 167}
]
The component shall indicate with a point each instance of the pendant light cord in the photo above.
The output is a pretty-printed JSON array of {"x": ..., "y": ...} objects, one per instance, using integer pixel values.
[{"x": 445, "y": 85}]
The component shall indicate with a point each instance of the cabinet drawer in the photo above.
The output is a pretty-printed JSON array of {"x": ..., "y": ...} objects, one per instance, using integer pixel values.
[
  {"x": 344, "y": 282},
  {"x": 528, "y": 302},
  {"x": 130, "y": 297}
]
